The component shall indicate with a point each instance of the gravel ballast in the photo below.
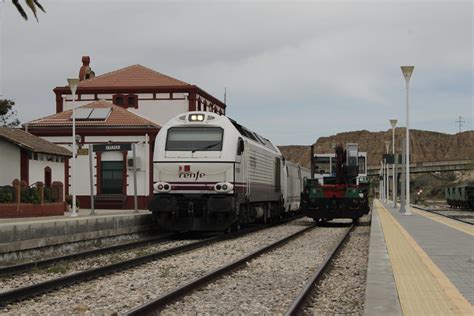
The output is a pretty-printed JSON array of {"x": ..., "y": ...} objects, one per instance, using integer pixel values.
[
  {"x": 61, "y": 269},
  {"x": 124, "y": 290},
  {"x": 268, "y": 284},
  {"x": 341, "y": 290}
]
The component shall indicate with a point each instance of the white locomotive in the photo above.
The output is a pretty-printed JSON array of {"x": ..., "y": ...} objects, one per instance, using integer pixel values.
[{"x": 213, "y": 174}]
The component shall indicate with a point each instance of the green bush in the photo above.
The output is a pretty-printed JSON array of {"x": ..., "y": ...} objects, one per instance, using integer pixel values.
[
  {"x": 48, "y": 197},
  {"x": 6, "y": 194},
  {"x": 30, "y": 195}
]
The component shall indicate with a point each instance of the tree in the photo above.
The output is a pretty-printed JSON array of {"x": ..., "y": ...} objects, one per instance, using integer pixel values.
[
  {"x": 8, "y": 115},
  {"x": 32, "y": 4}
]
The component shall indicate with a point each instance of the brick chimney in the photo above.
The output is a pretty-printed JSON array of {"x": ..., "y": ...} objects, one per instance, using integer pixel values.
[{"x": 86, "y": 72}]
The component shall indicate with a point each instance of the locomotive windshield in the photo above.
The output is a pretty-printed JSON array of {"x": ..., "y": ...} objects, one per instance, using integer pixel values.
[{"x": 194, "y": 139}]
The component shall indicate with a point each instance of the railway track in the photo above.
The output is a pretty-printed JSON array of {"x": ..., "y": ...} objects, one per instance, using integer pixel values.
[
  {"x": 25, "y": 292},
  {"x": 28, "y": 266},
  {"x": 299, "y": 301},
  {"x": 466, "y": 217},
  {"x": 157, "y": 305}
]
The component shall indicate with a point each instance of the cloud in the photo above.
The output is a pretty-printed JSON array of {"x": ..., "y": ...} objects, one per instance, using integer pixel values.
[{"x": 293, "y": 70}]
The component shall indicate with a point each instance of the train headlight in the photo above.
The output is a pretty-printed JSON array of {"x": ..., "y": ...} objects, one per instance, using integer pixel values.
[
  {"x": 223, "y": 187},
  {"x": 162, "y": 187},
  {"x": 196, "y": 117}
]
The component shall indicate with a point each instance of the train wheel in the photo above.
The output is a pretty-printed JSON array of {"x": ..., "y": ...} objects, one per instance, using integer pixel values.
[
  {"x": 321, "y": 221},
  {"x": 235, "y": 227}
]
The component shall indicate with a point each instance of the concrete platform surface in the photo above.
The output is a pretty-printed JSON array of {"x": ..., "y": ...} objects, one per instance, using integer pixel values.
[
  {"x": 19, "y": 234},
  {"x": 430, "y": 258},
  {"x": 448, "y": 243},
  {"x": 381, "y": 291},
  {"x": 82, "y": 213}
]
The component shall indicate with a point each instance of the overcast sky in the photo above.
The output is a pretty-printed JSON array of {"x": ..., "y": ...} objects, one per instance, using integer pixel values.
[{"x": 294, "y": 71}]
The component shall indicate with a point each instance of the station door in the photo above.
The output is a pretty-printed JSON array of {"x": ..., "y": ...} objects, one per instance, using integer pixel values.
[{"x": 112, "y": 177}]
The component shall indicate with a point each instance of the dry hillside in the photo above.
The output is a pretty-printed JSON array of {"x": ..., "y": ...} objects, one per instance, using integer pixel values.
[{"x": 424, "y": 145}]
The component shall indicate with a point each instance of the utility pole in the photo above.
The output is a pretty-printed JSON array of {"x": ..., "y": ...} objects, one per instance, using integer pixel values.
[{"x": 460, "y": 122}]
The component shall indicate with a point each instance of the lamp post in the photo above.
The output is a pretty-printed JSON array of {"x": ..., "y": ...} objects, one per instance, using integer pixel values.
[
  {"x": 394, "y": 189},
  {"x": 382, "y": 193},
  {"x": 387, "y": 188},
  {"x": 381, "y": 181},
  {"x": 73, "y": 83},
  {"x": 407, "y": 71}
]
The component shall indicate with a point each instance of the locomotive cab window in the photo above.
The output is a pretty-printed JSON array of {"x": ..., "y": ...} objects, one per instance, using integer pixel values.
[{"x": 194, "y": 139}]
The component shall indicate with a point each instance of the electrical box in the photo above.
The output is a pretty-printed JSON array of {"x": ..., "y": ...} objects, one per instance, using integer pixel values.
[{"x": 130, "y": 163}]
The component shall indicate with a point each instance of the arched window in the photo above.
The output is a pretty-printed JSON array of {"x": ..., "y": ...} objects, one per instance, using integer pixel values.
[{"x": 47, "y": 177}]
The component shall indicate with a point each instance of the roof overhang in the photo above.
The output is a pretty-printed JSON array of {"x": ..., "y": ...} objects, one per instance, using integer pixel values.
[{"x": 141, "y": 89}]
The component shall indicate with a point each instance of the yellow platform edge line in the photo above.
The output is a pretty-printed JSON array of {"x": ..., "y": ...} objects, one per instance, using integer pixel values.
[
  {"x": 451, "y": 292},
  {"x": 462, "y": 227}
]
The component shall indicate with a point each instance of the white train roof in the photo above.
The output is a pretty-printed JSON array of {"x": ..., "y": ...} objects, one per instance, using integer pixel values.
[{"x": 200, "y": 118}]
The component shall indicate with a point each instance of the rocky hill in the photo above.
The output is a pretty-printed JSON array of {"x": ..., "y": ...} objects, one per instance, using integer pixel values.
[{"x": 424, "y": 145}]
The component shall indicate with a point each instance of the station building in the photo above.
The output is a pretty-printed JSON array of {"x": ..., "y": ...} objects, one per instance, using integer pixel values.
[
  {"x": 31, "y": 159},
  {"x": 114, "y": 129},
  {"x": 140, "y": 100},
  {"x": 140, "y": 90}
]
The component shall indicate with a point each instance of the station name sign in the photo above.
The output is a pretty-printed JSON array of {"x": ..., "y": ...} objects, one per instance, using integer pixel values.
[{"x": 112, "y": 147}]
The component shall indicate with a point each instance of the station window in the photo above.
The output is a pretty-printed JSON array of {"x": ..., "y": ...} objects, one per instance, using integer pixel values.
[
  {"x": 117, "y": 99},
  {"x": 125, "y": 100},
  {"x": 132, "y": 101}
]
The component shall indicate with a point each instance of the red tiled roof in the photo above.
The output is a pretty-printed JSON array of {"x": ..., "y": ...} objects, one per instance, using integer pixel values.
[
  {"x": 132, "y": 76},
  {"x": 119, "y": 117},
  {"x": 31, "y": 142}
]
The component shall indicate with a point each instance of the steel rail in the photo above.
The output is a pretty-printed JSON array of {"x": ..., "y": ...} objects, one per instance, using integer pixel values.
[
  {"x": 53, "y": 284},
  {"x": 298, "y": 302},
  {"x": 28, "y": 266},
  {"x": 159, "y": 303},
  {"x": 440, "y": 214}
]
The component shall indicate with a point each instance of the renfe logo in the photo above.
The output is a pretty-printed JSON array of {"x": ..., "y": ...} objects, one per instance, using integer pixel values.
[
  {"x": 185, "y": 173},
  {"x": 185, "y": 168}
]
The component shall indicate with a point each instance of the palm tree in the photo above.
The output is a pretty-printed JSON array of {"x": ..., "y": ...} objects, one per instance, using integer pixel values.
[{"x": 32, "y": 4}]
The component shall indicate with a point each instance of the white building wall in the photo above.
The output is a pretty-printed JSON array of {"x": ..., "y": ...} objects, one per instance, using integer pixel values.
[
  {"x": 36, "y": 171},
  {"x": 67, "y": 105},
  {"x": 102, "y": 96},
  {"x": 58, "y": 139},
  {"x": 9, "y": 163},
  {"x": 160, "y": 111},
  {"x": 82, "y": 163}
]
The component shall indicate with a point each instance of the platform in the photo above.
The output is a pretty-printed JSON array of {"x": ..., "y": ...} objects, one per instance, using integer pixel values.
[
  {"x": 18, "y": 234},
  {"x": 419, "y": 265}
]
